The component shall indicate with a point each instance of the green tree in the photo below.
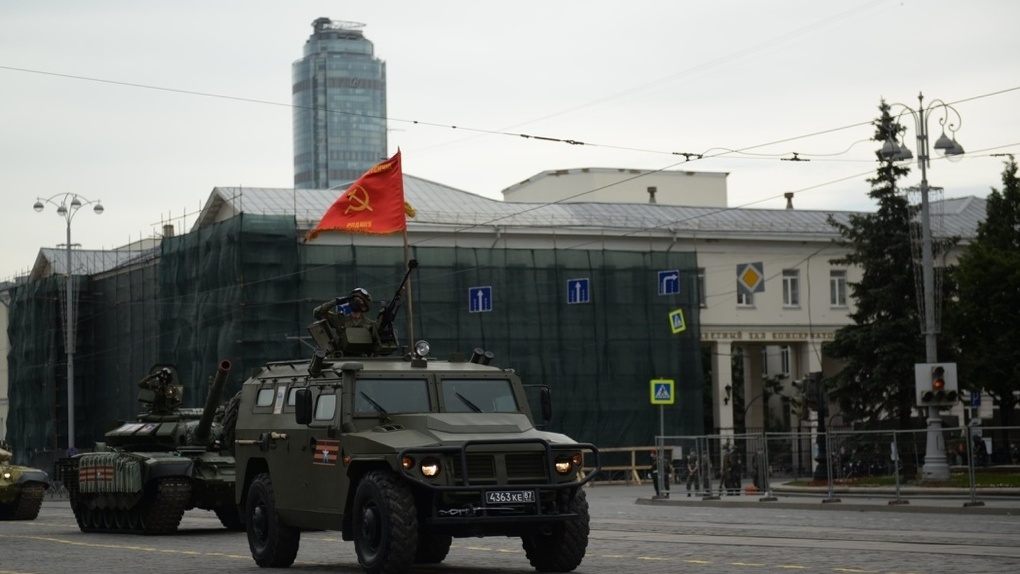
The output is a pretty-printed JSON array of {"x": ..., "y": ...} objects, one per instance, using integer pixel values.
[
  {"x": 986, "y": 319},
  {"x": 879, "y": 348}
]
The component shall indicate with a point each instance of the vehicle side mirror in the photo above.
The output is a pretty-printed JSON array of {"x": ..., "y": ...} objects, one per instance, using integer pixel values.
[
  {"x": 546, "y": 405},
  {"x": 303, "y": 406}
]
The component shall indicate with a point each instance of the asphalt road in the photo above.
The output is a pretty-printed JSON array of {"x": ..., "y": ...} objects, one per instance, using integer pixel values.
[{"x": 630, "y": 532}]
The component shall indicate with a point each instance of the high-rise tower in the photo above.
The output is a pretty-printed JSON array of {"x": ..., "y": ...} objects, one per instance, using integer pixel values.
[{"x": 339, "y": 96}]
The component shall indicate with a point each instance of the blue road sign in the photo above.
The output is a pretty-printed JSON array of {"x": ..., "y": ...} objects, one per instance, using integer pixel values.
[
  {"x": 480, "y": 299},
  {"x": 578, "y": 291},
  {"x": 669, "y": 282},
  {"x": 975, "y": 398},
  {"x": 662, "y": 392}
]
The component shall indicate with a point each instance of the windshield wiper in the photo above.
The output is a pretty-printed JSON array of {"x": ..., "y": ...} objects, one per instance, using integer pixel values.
[
  {"x": 470, "y": 405},
  {"x": 374, "y": 404}
]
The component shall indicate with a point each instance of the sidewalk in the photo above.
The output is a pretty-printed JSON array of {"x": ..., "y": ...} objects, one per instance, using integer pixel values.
[{"x": 991, "y": 501}]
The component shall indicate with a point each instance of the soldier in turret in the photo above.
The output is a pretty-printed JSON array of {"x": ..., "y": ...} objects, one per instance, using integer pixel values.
[
  {"x": 356, "y": 333},
  {"x": 166, "y": 396},
  {"x": 5, "y": 454}
]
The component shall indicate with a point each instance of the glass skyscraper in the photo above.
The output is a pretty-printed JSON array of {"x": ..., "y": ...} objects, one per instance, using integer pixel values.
[{"x": 339, "y": 96}]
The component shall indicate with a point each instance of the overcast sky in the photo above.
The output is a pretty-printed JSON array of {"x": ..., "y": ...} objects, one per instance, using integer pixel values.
[{"x": 148, "y": 105}]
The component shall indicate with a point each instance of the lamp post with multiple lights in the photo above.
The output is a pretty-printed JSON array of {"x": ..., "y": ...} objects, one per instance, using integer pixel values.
[
  {"x": 67, "y": 205},
  {"x": 935, "y": 466}
]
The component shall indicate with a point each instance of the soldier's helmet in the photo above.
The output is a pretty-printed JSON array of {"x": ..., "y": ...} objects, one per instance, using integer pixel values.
[{"x": 361, "y": 301}]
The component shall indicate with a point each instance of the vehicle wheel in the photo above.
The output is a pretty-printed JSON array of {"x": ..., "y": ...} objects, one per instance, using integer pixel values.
[
  {"x": 563, "y": 549},
  {"x": 26, "y": 505},
  {"x": 163, "y": 511},
  {"x": 134, "y": 519},
  {"x": 230, "y": 517},
  {"x": 385, "y": 524},
  {"x": 230, "y": 422},
  {"x": 432, "y": 548},
  {"x": 273, "y": 543}
]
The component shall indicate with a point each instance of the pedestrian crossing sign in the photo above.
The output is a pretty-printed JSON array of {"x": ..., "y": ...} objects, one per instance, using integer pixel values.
[{"x": 662, "y": 392}]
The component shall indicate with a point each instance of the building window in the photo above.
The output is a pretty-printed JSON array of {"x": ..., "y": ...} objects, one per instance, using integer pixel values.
[
  {"x": 744, "y": 299},
  {"x": 784, "y": 359},
  {"x": 791, "y": 287},
  {"x": 701, "y": 288},
  {"x": 837, "y": 287}
]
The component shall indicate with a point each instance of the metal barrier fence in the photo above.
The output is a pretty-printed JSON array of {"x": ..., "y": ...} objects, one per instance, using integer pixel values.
[{"x": 763, "y": 463}]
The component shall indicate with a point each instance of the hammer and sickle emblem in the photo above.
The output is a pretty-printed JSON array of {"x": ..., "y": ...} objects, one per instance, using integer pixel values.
[{"x": 358, "y": 201}]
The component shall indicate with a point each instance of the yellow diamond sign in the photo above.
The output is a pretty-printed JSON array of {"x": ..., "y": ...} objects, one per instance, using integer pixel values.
[{"x": 751, "y": 277}]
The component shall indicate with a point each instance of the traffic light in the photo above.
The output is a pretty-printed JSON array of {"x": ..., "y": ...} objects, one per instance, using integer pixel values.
[{"x": 936, "y": 385}]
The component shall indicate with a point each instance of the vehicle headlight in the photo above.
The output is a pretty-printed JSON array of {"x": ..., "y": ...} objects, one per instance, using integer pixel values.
[
  {"x": 7, "y": 476},
  {"x": 421, "y": 348},
  {"x": 407, "y": 462},
  {"x": 566, "y": 463},
  {"x": 430, "y": 467}
]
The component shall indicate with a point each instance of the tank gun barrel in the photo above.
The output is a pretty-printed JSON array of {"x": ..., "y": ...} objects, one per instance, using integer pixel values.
[{"x": 215, "y": 394}]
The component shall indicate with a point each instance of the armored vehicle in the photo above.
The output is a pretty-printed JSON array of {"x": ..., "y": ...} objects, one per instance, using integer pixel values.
[
  {"x": 148, "y": 472},
  {"x": 21, "y": 488},
  {"x": 403, "y": 454}
]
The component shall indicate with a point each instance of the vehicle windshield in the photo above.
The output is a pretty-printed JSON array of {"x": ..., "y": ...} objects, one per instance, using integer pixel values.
[
  {"x": 478, "y": 396},
  {"x": 389, "y": 396}
]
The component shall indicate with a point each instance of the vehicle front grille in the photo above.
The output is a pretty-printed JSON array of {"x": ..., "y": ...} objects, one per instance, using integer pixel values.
[{"x": 503, "y": 468}]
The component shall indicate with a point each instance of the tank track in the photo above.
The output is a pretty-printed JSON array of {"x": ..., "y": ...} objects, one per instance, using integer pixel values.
[
  {"x": 26, "y": 505},
  {"x": 157, "y": 513}
]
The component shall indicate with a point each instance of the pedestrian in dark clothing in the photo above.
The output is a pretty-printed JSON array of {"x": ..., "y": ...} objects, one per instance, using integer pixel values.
[{"x": 693, "y": 473}]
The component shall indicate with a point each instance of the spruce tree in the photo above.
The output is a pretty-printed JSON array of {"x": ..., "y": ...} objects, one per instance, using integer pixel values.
[
  {"x": 879, "y": 348},
  {"x": 986, "y": 318}
]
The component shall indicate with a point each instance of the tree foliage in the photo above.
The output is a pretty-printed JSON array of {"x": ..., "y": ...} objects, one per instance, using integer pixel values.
[
  {"x": 879, "y": 348},
  {"x": 986, "y": 315}
]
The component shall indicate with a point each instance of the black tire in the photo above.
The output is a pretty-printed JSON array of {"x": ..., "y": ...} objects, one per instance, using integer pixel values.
[
  {"x": 230, "y": 517},
  {"x": 273, "y": 544},
  {"x": 163, "y": 511},
  {"x": 564, "y": 548},
  {"x": 385, "y": 524},
  {"x": 230, "y": 423},
  {"x": 432, "y": 548}
]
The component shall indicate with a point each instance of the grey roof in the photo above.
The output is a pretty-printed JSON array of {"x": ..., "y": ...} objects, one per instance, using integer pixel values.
[
  {"x": 53, "y": 261},
  {"x": 441, "y": 205}
]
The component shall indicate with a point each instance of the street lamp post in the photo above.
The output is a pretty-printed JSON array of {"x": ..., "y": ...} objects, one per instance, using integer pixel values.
[
  {"x": 935, "y": 467},
  {"x": 67, "y": 205}
]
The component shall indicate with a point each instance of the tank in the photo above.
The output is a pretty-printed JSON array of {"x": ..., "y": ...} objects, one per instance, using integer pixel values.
[
  {"x": 148, "y": 472},
  {"x": 21, "y": 488}
]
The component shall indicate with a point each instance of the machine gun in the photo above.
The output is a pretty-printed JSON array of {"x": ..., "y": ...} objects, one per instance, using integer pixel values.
[{"x": 385, "y": 318}]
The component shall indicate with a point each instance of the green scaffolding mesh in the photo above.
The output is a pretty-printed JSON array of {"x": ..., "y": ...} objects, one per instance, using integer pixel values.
[{"x": 244, "y": 290}]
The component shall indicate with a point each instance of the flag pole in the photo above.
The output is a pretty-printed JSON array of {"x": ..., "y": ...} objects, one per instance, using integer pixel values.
[{"x": 410, "y": 302}]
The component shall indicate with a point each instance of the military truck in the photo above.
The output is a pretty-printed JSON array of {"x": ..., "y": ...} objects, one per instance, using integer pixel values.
[
  {"x": 403, "y": 454},
  {"x": 148, "y": 472},
  {"x": 21, "y": 488}
]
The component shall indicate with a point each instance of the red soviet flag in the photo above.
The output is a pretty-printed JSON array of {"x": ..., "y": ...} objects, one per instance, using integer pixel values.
[{"x": 373, "y": 204}]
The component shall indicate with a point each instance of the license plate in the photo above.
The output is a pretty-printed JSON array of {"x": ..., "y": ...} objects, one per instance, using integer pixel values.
[{"x": 510, "y": 496}]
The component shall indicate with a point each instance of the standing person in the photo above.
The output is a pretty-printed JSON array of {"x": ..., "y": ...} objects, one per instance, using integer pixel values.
[
  {"x": 706, "y": 473},
  {"x": 736, "y": 470},
  {"x": 727, "y": 471},
  {"x": 693, "y": 473}
]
